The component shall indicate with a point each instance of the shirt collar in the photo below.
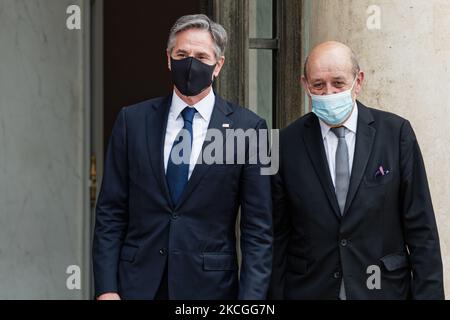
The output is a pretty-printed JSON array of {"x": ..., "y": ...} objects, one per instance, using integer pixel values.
[
  {"x": 351, "y": 123},
  {"x": 204, "y": 107}
]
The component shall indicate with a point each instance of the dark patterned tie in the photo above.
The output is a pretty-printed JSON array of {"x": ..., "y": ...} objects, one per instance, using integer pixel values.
[{"x": 177, "y": 174}]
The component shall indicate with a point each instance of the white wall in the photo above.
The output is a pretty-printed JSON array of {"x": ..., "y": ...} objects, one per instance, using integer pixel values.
[{"x": 43, "y": 125}]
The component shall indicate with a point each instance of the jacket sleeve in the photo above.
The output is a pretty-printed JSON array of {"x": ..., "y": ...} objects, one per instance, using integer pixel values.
[
  {"x": 111, "y": 211},
  {"x": 281, "y": 229},
  {"x": 419, "y": 221},
  {"x": 256, "y": 229}
]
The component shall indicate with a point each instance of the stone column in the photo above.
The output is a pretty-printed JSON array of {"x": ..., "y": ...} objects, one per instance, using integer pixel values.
[{"x": 44, "y": 145}]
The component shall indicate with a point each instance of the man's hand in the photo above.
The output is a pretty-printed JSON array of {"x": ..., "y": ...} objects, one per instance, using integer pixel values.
[{"x": 109, "y": 296}]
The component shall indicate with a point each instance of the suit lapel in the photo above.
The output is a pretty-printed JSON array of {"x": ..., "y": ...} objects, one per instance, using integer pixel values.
[
  {"x": 314, "y": 143},
  {"x": 157, "y": 118},
  {"x": 365, "y": 137},
  {"x": 219, "y": 117}
]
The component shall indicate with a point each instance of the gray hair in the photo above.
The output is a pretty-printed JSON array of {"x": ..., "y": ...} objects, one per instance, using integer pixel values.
[
  {"x": 202, "y": 22},
  {"x": 353, "y": 57}
]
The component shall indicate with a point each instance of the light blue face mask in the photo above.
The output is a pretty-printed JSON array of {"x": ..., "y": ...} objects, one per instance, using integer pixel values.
[{"x": 333, "y": 109}]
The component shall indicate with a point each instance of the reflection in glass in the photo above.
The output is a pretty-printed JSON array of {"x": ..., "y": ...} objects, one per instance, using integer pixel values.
[
  {"x": 260, "y": 18},
  {"x": 260, "y": 83}
]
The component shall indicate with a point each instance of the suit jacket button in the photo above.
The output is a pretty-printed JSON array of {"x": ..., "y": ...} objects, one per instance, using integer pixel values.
[
  {"x": 337, "y": 275},
  {"x": 163, "y": 252},
  {"x": 175, "y": 216},
  {"x": 344, "y": 242}
]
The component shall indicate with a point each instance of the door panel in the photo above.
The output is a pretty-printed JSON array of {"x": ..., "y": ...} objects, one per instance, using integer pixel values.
[{"x": 135, "y": 62}]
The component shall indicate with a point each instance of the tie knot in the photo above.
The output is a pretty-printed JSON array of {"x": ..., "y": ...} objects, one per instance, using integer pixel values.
[
  {"x": 188, "y": 114},
  {"x": 339, "y": 132}
]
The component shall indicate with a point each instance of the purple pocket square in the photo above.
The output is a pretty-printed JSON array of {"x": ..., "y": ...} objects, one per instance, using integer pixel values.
[{"x": 381, "y": 172}]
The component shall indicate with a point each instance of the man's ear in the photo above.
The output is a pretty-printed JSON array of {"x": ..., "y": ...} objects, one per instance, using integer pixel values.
[
  {"x": 168, "y": 59},
  {"x": 359, "y": 83},
  {"x": 304, "y": 82},
  {"x": 219, "y": 66}
]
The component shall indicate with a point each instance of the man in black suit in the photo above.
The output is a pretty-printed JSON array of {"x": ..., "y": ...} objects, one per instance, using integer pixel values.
[
  {"x": 165, "y": 228},
  {"x": 353, "y": 217}
]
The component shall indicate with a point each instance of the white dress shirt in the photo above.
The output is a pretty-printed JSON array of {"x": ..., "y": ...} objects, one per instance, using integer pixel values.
[
  {"x": 199, "y": 127},
  {"x": 330, "y": 142}
]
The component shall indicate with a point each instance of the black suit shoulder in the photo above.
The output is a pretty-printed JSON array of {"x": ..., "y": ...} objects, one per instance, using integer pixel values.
[
  {"x": 139, "y": 109},
  {"x": 387, "y": 118},
  {"x": 300, "y": 122},
  {"x": 295, "y": 129},
  {"x": 391, "y": 126},
  {"x": 243, "y": 117},
  {"x": 145, "y": 104}
]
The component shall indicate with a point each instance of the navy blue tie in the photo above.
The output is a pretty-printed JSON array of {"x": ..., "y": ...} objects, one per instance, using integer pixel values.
[{"x": 178, "y": 173}]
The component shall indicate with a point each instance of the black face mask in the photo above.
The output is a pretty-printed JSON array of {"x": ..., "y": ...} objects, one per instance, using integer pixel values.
[{"x": 191, "y": 76}]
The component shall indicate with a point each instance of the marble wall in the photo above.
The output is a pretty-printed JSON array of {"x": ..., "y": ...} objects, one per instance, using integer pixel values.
[
  {"x": 43, "y": 125},
  {"x": 407, "y": 62}
]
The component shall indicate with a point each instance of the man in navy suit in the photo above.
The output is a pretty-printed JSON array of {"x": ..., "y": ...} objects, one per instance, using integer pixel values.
[{"x": 165, "y": 228}]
